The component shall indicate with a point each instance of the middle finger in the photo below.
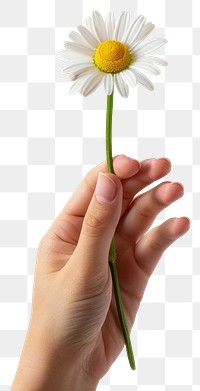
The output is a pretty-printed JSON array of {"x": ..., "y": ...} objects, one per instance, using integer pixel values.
[{"x": 144, "y": 209}]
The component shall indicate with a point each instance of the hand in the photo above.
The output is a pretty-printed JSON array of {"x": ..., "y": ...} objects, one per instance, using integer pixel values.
[{"x": 74, "y": 313}]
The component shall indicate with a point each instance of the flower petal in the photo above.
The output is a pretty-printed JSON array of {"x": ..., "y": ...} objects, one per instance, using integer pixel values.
[
  {"x": 76, "y": 86},
  {"x": 108, "y": 83},
  {"x": 150, "y": 46},
  {"x": 92, "y": 83},
  {"x": 76, "y": 47},
  {"x": 134, "y": 30},
  {"x": 147, "y": 29},
  {"x": 72, "y": 57},
  {"x": 99, "y": 26},
  {"x": 146, "y": 67},
  {"x": 121, "y": 25},
  {"x": 121, "y": 85},
  {"x": 89, "y": 25},
  {"x": 74, "y": 67},
  {"x": 88, "y": 36},
  {"x": 76, "y": 37},
  {"x": 64, "y": 55},
  {"x": 129, "y": 77},
  {"x": 82, "y": 72},
  {"x": 154, "y": 60},
  {"x": 110, "y": 24},
  {"x": 142, "y": 79}
]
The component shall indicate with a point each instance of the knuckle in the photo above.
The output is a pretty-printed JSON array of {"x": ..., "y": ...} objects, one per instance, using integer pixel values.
[
  {"x": 156, "y": 246},
  {"x": 94, "y": 223},
  {"x": 127, "y": 194},
  {"x": 144, "y": 211}
]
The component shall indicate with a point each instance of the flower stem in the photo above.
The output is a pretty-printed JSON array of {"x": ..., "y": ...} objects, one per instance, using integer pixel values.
[{"x": 112, "y": 252}]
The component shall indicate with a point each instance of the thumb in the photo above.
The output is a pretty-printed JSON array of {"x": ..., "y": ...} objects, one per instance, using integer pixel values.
[{"x": 100, "y": 222}]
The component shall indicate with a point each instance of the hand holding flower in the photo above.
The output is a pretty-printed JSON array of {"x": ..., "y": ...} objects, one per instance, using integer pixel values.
[
  {"x": 113, "y": 53},
  {"x": 74, "y": 334}
]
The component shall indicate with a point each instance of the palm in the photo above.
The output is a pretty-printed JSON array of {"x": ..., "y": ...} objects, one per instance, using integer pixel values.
[{"x": 109, "y": 341}]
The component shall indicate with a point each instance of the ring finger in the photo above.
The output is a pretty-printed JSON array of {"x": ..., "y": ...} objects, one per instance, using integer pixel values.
[{"x": 151, "y": 247}]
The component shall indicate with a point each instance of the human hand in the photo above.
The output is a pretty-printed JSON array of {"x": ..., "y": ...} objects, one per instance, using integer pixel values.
[{"x": 74, "y": 315}]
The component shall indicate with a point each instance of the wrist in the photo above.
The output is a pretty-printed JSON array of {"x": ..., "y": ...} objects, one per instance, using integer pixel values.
[{"x": 40, "y": 369}]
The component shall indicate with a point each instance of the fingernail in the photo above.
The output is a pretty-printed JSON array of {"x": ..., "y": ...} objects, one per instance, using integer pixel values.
[{"x": 106, "y": 189}]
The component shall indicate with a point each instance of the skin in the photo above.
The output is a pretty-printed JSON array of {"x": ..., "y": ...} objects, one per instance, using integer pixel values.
[{"x": 74, "y": 334}]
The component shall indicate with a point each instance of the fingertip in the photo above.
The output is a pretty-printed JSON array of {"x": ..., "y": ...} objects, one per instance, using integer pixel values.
[
  {"x": 156, "y": 168},
  {"x": 137, "y": 163},
  {"x": 161, "y": 166},
  {"x": 168, "y": 192},
  {"x": 166, "y": 164},
  {"x": 125, "y": 166},
  {"x": 167, "y": 160},
  {"x": 180, "y": 226},
  {"x": 186, "y": 220}
]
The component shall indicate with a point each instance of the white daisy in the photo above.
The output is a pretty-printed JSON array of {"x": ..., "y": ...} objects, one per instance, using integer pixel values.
[{"x": 110, "y": 52}]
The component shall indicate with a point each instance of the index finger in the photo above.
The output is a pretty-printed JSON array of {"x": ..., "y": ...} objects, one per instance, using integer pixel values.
[{"x": 77, "y": 205}]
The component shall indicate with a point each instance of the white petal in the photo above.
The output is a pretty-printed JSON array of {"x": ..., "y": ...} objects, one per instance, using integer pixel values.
[
  {"x": 129, "y": 77},
  {"x": 121, "y": 85},
  {"x": 108, "y": 83},
  {"x": 92, "y": 83},
  {"x": 76, "y": 86},
  {"x": 147, "y": 29},
  {"x": 76, "y": 37},
  {"x": 134, "y": 30},
  {"x": 88, "y": 36},
  {"x": 150, "y": 46},
  {"x": 74, "y": 68},
  {"x": 136, "y": 33},
  {"x": 76, "y": 47},
  {"x": 73, "y": 58},
  {"x": 126, "y": 26},
  {"x": 110, "y": 24},
  {"x": 65, "y": 55},
  {"x": 82, "y": 72},
  {"x": 89, "y": 25},
  {"x": 142, "y": 79},
  {"x": 99, "y": 26},
  {"x": 154, "y": 60},
  {"x": 120, "y": 26},
  {"x": 146, "y": 67},
  {"x": 62, "y": 55}
]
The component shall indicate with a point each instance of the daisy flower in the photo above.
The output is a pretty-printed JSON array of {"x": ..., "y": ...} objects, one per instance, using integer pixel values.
[{"x": 112, "y": 53}]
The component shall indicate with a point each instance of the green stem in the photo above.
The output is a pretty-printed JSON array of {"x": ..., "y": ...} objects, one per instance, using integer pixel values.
[
  {"x": 121, "y": 314},
  {"x": 112, "y": 252},
  {"x": 109, "y": 113}
]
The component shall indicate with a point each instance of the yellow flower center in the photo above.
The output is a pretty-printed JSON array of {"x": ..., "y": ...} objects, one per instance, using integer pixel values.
[{"x": 112, "y": 56}]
